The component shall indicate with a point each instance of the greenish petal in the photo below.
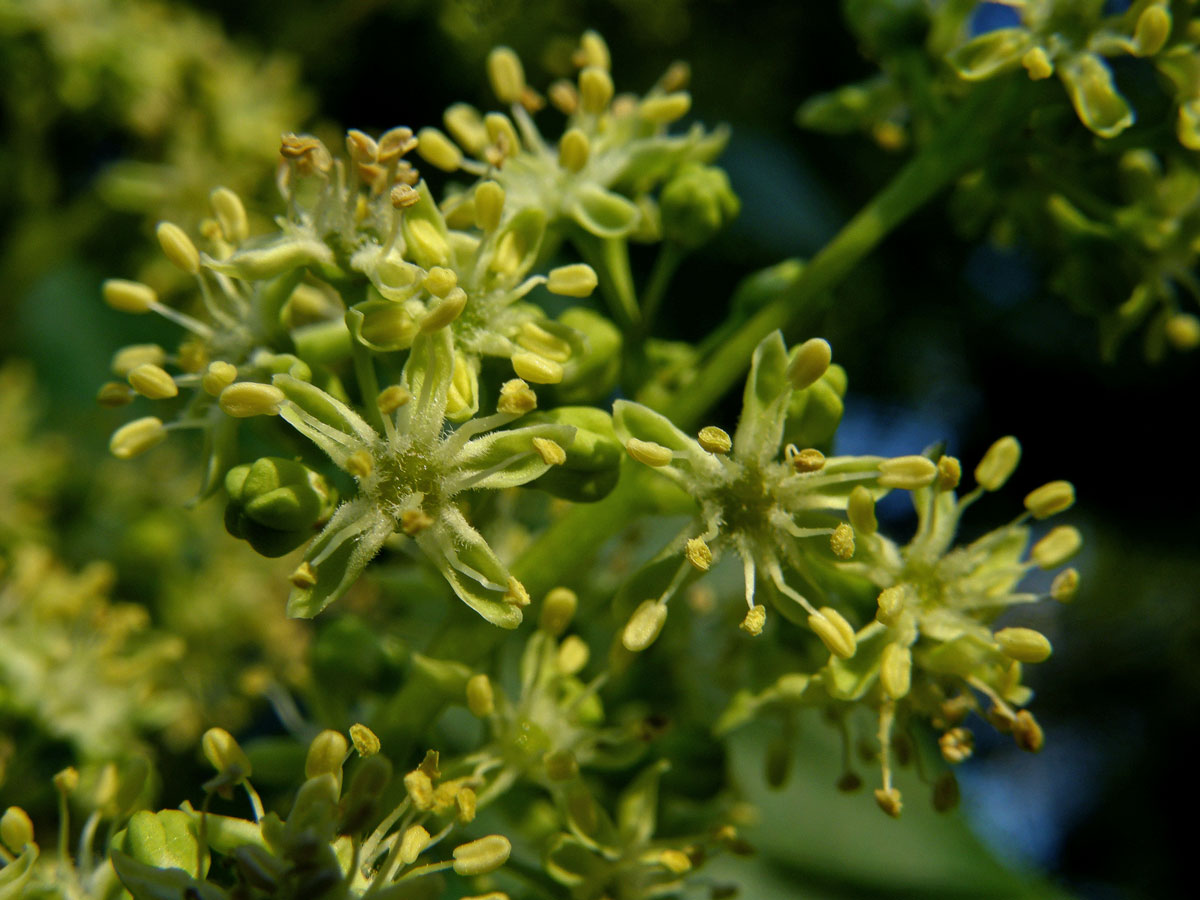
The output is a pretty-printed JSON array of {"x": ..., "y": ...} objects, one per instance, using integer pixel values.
[
  {"x": 637, "y": 807},
  {"x": 991, "y": 53},
  {"x": 764, "y": 401},
  {"x": 339, "y": 554},
  {"x": 505, "y": 459},
  {"x": 1089, "y": 83},
  {"x": 470, "y": 567},
  {"x": 603, "y": 213}
]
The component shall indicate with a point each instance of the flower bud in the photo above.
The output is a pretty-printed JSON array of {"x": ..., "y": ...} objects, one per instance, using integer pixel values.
[
  {"x": 1056, "y": 547},
  {"x": 907, "y": 472},
  {"x": 438, "y": 150},
  {"x": 137, "y": 437},
  {"x": 644, "y": 625},
  {"x": 506, "y": 75},
  {"x": 808, "y": 362},
  {"x": 16, "y": 829},
  {"x": 481, "y": 699},
  {"x": 153, "y": 382},
  {"x": 66, "y": 780},
  {"x": 557, "y": 611},
  {"x": 860, "y": 510},
  {"x": 387, "y": 326},
  {"x": 224, "y": 754},
  {"x": 696, "y": 204},
  {"x": 129, "y": 296},
  {"x": 1050, "y": 498},
  {"x": 834, "y": 631},
  {"x": 998, "y": 463},
  {"x": 178, "y": 247},
  {"x": 326, "y": 754},
  {"x": 1023, "y": 644},
  {"x": 576, "y": 280},
  {"x": 244, "y": 399},
  {"x": 482, "y": 856},
  {"x": 593, "y": 372}
]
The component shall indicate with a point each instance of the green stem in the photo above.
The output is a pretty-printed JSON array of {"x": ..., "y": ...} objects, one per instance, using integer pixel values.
[
  {"x": 368, "y": 384},
  {"x": 610, "y": 258},
  {"x": 670, "y": 255}
]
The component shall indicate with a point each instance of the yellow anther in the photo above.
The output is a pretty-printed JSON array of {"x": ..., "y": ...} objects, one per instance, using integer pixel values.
[
  {"x": 16, "y": 829},
  {"x": 675, "y": 861},
  {"x": 957, "y": 745},
  {"x": 326, "y": 754},
  {"x": 113, "y": 394},
  {"x": 536, "y": 368},
  {"x": 219, "y": 376},
  {"x": 502, "y": 134},
  {"x": 860, "y": 510},
  {"x": 481, "y": 699},
  {"x": 809, "y": 362},
  {"x": 129, "y": 296},
  {"x": 1152, "y": 30},
  {"x": 895, "y": 670},
  {"x": 420, "y": 788},
  {"x": 193, "y": 355},
  {"x": 366, "y": 742},
  {"x": 438, "y": 150},
  {"x": 465, "y": 124},
  {"x": 304, "y": 576},
  {"x": 465, "y": 802},
  {"x": 1064, "y": 585},
  {"x": 998, "y": 463},
  {"x": 153, "y": 382},
  {"x": 575, "y": 280},
  {"x": 225, "y": 754},
  {"x": 248, "y": 398},
  {"x": 755, "y": 619},
  {"x": 714, "y": 439},
  {"x": 1027, "y": 733},
  {"x": 178, "y": 247},
  {"x": 66, "y": 780},
  {"x": 404, "y": 196},
  {"x": 557, "y": 611},
  {"x": 649, "y": 453},
  {"x": 907, "y": 472},
  {"x": 231, "y": 214},
  {"x": 808, "y": 460},
  {"x": 361, "y": 146},
  {"x": 841, "y": 542},
  {"x": 393, "y": 144},
  {"x": 137, "y": 437},
  {"x": 482, "y": 856},
  {"x": 391, "y": 398},
  {"x": 536, "y": 339},
  {"x": 1183, "y": 331},
  {"x": 449, "y": 309},
  {"x": 1037, "y": 64},
  {"x": 414, "y": 841},
  {"x": 573, "y": 655},
  {"x": 426, "y": 243},
  {"x": 506, "y": 75},
  {"x": 551, "y": 453},
  {"x": 677, "y": 76},
  {"x": 564, "y": 96},
  {"x": 592, "y": 51},
  {"x": 440, "y": 281},
  {"x": 889, "y": 801},
  {"x": 949, "y": 473},
  {"x": 666, "y": 108},
  {"x": 127, "y": 359},
  {"x": 644, "y": 625},
  {"x": 1023, "y": 644},
  {"x": 698, "y": 554},
  {"x": 574, "y": 148},
  {"x": 595, "y": 90},
  {"x": 1056, "y": 547},
  {"x": 359, "y": 464},
  {"x": 834, "y": 631},
  {"x": 489, "y": 205},
  {"x": 1050, "y": 499},
  {"x": 516, "y": 593},
  {"x": 414, "y": 521},
  {"x": 516, "y": 398}
]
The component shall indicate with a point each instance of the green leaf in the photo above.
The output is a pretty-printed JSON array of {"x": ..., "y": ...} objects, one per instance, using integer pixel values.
[
  {"x": 150, "y": 883},
  {"x": 165, "y": 840}
]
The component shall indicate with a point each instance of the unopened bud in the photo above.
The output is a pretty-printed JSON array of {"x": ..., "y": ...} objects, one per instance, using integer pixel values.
[
  {"x": 755, "y": 619},
  {"x": 482, "y": 856},
  {"x": 66, "y": 780},
  {"x": 1056, "y": 547},
  {"x": 809, "y": 362},
  {"x": 860, "y": 510},
  {"x": 907, "y": 472},
  {"x": 225, "y": 754},
  {"x": 557, "y": 611},
  {"x": 644, "y": 625},
  {"x": 178, "y": 247},
  {"x": 481, "y": 699},
  {"x": 538, "y": 369},
  {"x": 438, "y": 150},
  {"x": 244, "y": 399},
  {"x": 998, "y": 463},
  {"x": 153, "y": 382},
  {"x": 129, "y": 296},
  {"x": 326, "y": 754},
  {"x": 576, "y": 280},
  {"x": 649, "y": 453},
  {"x": 137, "y": 437},
  {"x": 1023, "y": 644},
  {"x": 841, "y": 542},
  {"x": 506, "y": 75},
  {"x": 16, "y": 829},
  {"x": 834, "y": 631},
  {"x": 895, "y": 670},
  {"x": 1050, "y": 499}
]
